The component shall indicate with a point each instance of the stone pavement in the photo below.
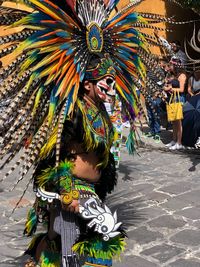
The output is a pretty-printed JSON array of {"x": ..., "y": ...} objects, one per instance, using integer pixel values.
[{"x": 164, "y": 189}]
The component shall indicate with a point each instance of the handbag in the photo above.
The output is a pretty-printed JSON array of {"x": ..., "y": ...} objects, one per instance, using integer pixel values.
[{"x": 174, "y": 108}]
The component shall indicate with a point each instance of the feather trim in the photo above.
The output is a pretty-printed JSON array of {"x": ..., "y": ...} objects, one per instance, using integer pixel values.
[
  {"x": 99, "y": 249},
  {"x": 130, "y": 142},
  {"x": 54, "y": 174},
  {"x": 92, "y": 139},
  {"x": 50, "y": 259},
  {"x": 31, "y": 222}
]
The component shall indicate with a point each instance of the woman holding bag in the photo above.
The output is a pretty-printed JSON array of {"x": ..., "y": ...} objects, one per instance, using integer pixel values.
[{"x": 176, "y": 86}]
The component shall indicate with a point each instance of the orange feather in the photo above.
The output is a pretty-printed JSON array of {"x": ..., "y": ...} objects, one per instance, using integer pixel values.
[
  {"x": 68, "y": 80},
  {"x": 60, "y": 61},
  {"x": 64, "y": 70},
  {"x": 122, "y": 84}
]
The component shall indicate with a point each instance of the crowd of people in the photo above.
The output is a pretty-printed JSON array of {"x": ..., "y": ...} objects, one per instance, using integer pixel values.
[{"x": 177, "y": 83}]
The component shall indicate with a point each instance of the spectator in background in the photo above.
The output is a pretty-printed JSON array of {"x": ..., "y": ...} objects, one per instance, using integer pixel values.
[
  {"x": 153, "y": 104},
  {"x": 194, "y": 83},
  {"x": 191, "y": 119},
  {"x": 178, "y": 53},
  {"x": 153, "y": 114},
  {"x": 163, "y": 62},
  {"x": 177, "y": 83},
  {"x": 173, "y": 48}
]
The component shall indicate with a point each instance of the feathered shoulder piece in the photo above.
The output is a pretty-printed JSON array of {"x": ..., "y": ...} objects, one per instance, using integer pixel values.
[{"x": 51, "y": 44}]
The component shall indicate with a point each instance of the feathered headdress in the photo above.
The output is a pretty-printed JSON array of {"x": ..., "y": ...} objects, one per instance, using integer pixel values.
[{"x": 52, "y": 51}]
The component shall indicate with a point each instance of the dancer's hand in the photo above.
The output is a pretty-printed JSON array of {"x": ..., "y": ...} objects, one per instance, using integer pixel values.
[{"x": 72, "y": 207}]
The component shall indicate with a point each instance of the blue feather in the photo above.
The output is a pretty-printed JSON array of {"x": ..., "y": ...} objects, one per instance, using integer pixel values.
[
  {"x": 53, "y": 97},
  {"x": 133, "y": 17},
  {"x": 37, "y": 36},
  {"x": 78, "y": 68},
  {"x": 112, "y": 4},
  {"x": 63, "y": 34},
  {"x": 56, "y": 26},
  {"x": 70, "y": 51},
  {"x": 69, "y": 101},
  {"x": 38, "y": 16},
  {"x": 82, "y": 75},
  {"x": 130, "y": 143},
  {"x": 129, "y": 31},
  {"x": 123, "y": 53},
  {"x": 65, "y": 46}
]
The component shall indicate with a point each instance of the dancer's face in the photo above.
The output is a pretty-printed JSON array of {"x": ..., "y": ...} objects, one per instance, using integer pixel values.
[{"x": 102, "y": 90}]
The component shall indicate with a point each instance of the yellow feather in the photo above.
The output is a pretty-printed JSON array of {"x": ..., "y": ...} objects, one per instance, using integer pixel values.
[
  {"x": 46, "y": 60},
  {"x": 51, "y": 113},
  {"x": 48, "y": 49},
  {"x": 47, "y": 148},
  {"x": 22, "y": 46},
  {"x": 30, "y": 81},
  {"x": 50, "y": 79},
  {"x": 120, "y": 90},
  {"x": 43, "y": 7},
  {"x": 47, "y": 71},
  {"x": 37, "y": 99}
]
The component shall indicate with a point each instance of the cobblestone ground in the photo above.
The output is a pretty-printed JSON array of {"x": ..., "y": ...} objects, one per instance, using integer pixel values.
[{"x": 164, "y": 187}]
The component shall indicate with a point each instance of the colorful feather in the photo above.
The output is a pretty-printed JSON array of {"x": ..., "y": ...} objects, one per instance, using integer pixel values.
[
  {"x": 31, "y": 222},
  {"x": 53, "y": 48},
  {"x": 64, "y": 169},
  {"x": 98, "y": 249}
]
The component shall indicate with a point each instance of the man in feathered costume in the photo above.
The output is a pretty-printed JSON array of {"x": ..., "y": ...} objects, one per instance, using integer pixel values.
[
  {"x": 71, "y": 56},
  {"x": 79, "y": 183}
]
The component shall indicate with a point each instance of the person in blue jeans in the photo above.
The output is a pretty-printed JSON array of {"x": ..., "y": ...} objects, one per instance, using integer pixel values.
[
  {"x": 153, "y": 105},
  {"x": 153, "y": 113}
]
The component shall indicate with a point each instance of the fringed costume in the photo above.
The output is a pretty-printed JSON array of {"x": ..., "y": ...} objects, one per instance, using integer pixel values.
[{"x": 61, "y": 50}]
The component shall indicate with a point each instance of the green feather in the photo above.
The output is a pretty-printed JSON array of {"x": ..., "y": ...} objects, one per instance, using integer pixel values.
[
  {"x": 50, "y": 259},
  {"x": 55, "y": 174},
  {"x": 31, "y": 222},
  {"x": 130, "y": 142},
  {"x": 98, "y": 248}
]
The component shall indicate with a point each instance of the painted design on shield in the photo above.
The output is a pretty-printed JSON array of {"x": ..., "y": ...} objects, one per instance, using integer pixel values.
[{"x": 102, "y": 218}]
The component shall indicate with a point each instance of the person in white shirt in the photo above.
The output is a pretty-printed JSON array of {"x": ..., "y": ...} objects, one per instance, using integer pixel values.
[{"x": 173, "y": 48}]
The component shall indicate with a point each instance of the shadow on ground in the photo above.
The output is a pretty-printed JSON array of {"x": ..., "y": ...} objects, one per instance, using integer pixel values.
[
  {"x": 127, "y": 208},
  {"x": 194, "y": 156},
  {"x": 126, "y": 171},
  {"x": 165, "y": 137}
]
